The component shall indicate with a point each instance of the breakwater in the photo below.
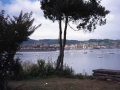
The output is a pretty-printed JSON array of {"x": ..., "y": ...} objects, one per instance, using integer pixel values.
[{"x": 107, "y": 74}]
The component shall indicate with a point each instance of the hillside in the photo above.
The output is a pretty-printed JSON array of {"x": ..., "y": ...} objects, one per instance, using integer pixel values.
[
  {"x": 90, "y": 42},
  {"x": 48, "y": 41}
]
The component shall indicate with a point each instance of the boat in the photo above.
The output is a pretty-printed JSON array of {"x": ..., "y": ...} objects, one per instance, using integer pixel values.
[
  {"x": 84, "y": 48},
  {"x": 85, "y": 52},
  {"x": 71, "y": 53},
  {"x": 112, "y": 53},
  {"x": 100, "y": 56}
]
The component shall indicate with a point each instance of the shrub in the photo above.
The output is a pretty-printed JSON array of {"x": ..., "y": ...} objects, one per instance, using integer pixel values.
[
  {"x": 50, "y": 69},
  {"x": 41, "y": 69},
  {"x": 67, "y": 71},
  {"x": 17, "y": 69},
  {"x": 80, "y": 76}
]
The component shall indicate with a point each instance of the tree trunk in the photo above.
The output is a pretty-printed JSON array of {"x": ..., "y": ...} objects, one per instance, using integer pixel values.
[
  {"x": 3, "y": 83},
  {"x": 64, "y": 41},
  {"x": 62, "y": 45}
]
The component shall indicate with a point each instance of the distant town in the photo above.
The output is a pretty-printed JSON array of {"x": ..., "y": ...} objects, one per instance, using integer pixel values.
[{"x": 52, "y": 45}]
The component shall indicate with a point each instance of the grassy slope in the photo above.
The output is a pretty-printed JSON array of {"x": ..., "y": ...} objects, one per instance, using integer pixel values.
[{"x": 64, "y": 84}]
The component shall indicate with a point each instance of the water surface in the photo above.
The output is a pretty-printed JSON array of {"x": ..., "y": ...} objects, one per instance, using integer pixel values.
[{"x": 78, "y": 60}]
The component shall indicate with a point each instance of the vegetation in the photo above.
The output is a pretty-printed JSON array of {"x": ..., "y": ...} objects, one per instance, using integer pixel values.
[
  {"x": 48, "y": 41},
  {"x": 41, "y": 69},
  {"x": 104, "y": 42},
  {"x": 87, "y": 14},
  {"x": 13, "y": 31},
  {"x": 44, "y": 76},
  {"x": 55, "y": 41}
]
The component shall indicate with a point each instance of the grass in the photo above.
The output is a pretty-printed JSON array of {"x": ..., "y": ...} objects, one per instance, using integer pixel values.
[{"x": 59, "y": 83}]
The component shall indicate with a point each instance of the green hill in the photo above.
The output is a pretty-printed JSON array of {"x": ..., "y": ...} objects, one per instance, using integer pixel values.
[
  {"x": 48, "y": 41},
  {"x": 91, "y": 41}
]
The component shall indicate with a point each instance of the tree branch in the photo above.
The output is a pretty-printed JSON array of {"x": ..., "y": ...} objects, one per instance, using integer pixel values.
[{"x": 73, "y": 28}]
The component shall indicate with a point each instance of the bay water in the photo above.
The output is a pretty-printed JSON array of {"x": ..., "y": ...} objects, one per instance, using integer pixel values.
[{"x": 81, "y": 61}]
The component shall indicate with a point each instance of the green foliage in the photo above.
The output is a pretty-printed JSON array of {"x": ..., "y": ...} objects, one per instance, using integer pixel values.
[
  {"x": 27, "y": 69},
  {"x": 18, "y": 70},
  {"x": 50, "y": 68},
  {"x": 88, "y": 14},
  {"x": 13, "y": 31},
  {"x": 67, "y": 71},
  {"x": 106, "y": 42},
  {"x": 48, "y": 41},
  {"x": 85, "y": 14},
  {"x": 80, "y": 76},
  {"x": 41, "y": 69},
  {"x": 33, "y": 70}
]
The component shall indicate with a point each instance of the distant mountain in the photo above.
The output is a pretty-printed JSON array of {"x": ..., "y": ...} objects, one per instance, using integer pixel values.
[
  {"x": 48, "y": 41},
  {"x": 89, "y": 42},
  {"x": 104, "y": 41}
]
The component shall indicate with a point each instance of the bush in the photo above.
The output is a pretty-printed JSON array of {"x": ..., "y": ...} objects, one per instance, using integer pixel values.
[
  {"x": 41, "y": 69},
  {"x": 80, "y": 76},
  {"x": 17, "y": 69},
  {"x": 50, "y": 69},
  {"x": 27, "y": 69},
  {"x": 67, "y": 71}
]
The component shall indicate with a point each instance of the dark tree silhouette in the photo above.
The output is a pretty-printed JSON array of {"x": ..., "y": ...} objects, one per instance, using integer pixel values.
[
  {"x": 13, "y": 31},
  {"x": 86, "y": 14}
]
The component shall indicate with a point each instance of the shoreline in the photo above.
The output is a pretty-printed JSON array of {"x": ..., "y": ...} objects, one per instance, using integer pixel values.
[{"x": 36, "y": 50}]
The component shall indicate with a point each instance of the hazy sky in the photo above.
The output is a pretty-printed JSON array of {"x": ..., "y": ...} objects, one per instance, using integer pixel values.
[{"x": 50, "y": 30}]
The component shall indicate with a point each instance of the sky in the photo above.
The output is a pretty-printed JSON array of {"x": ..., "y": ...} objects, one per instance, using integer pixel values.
[{"x": 50, "y": 30}]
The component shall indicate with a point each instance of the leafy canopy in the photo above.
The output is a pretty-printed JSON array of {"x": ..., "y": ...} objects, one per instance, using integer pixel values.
[
  {"x": 13, "y": 31},
  {"x": 87, "y": 14}
]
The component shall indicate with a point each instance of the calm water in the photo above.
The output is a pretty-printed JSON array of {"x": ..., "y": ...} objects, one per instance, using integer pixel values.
[{"x": 80, "y": 62}]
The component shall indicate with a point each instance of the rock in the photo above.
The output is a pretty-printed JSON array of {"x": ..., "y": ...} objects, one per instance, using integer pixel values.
[{"x": 107, "y": 74}]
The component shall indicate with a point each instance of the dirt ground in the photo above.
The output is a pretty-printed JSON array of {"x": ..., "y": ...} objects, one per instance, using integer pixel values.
[{"x": 64, "y": 84}]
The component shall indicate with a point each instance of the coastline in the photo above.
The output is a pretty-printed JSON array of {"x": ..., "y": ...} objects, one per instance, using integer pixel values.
[{"x": 36, "y": 50}]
